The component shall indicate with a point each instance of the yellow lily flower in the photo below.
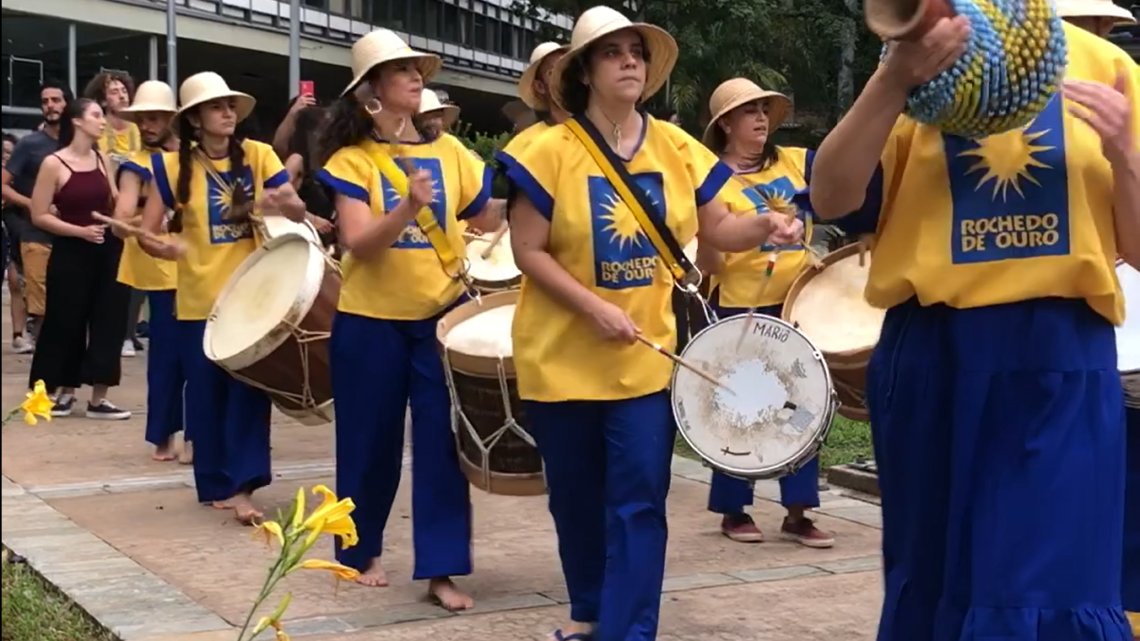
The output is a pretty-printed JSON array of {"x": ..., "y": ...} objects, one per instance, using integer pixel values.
[
  {"x": 270, "y": 530},
  {"x": 299, "y": 508},
  {"x": 340, "y": 571},
  {"x": 332, "y": 517},
  {"x": 37, "y": 405}
]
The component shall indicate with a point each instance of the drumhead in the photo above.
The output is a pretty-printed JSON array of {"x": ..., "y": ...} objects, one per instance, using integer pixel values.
[
  {"x": 470, "y": 354},
  {"x": 274, "y": 287},
  {"x": 830, "y": 307},
  {"x": 1128, "y": 335},
  {"x": 780, "y": 405},
  {"x": 498, "y": 267},
  {"x": 281, "y": 226}
]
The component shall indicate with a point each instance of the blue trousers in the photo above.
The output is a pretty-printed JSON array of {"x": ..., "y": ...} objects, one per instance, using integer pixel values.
[
  {"x": 999, "y": 436},
  {"x": 229, "y": 421},
  {"x": 1131, "y": 587},
  {"x": 379, "y": 368},
  {"x": 608, "y": 471},
  {"x": 165, "y": 379},
  {"x": 730, "y": 495}
]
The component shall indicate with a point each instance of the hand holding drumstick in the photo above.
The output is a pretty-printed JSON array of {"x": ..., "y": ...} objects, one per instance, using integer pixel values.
[{"x": 170, "y": 250}]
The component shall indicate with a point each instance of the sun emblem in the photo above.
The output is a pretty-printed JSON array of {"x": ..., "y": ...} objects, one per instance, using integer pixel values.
[
  {"x": 223, "y": 196},
  {"x": 622, "y": 227},
  {"x": 777, "y": 200},
  {"x": 1007, "y": 159}
]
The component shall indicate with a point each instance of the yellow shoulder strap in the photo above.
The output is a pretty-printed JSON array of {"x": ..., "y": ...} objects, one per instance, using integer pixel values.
[
  {"x": 625, "y": 192},
  {"x": 425, "y": 219}
]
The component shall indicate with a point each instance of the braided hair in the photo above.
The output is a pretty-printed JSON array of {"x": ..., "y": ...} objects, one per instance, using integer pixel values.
[{"x": 188, "y": 134}]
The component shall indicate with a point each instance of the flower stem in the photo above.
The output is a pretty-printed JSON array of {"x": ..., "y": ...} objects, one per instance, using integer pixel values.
[{"x": 266, "y": 588}]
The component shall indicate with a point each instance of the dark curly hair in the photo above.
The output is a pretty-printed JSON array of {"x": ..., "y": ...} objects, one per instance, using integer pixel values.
[
  {"x": 575, "y": 93},
  {"x": 307, "y": 128},
  {"x": 97, "y": 89},
  {"x": 349, "y": 124},
  {"x": 188, "y": 134}
]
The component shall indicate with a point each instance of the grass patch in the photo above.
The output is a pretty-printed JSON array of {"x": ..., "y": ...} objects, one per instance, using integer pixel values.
[
  {"x": 34, "y": 610},
  {"x": 849, "y": 441}
]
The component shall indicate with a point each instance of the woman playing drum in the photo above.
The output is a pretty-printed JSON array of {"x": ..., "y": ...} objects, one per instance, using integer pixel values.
[
  {"x": 228, "y": 419},
  {"x": 744, "y": 117},
  {"x": 995, "y": 398},
  {"x": 399, "y": 278},
  {"x": 596, "y": 399}
]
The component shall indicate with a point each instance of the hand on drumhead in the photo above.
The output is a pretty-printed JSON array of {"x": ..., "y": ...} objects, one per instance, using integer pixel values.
[
  {"x": 613, "y": 324},
  {"x": 912, "y": 63},
  {"x": 784, "y": 230}
]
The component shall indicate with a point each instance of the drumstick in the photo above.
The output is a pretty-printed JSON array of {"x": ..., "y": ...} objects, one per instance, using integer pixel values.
[
  {"x": 494, "y": 241},
  {"x": 132, "y": 230},
  {"x": 685, "y": 364}
]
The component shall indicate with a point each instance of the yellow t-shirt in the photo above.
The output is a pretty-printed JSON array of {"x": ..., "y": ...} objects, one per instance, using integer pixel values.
[
  {"x": 137, "y": 268},
  {"x": 215, "y": 245},
  {"x": 557, "y": 354},
  {"x": 119, "y": 146},
  {"x": 519, "y": 143},
  {"x": 407, "y": 281},
  {"x": 742, "y": 282},
  {"x": 1016, "y": 216}
]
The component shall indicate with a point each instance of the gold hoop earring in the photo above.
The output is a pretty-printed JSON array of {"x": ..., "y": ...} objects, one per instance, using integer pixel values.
[{"x": 373, "y": 107}]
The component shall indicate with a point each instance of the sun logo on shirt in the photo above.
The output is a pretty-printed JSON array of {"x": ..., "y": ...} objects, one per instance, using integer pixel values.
[
  {"x": 1007, "y": 160},
  {"x": 621, "y": 225},
  {"x": 778, "y": 202},
  {"x": 222, "y": 196}
]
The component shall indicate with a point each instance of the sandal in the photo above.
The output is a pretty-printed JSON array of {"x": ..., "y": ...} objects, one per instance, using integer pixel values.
[{"x": 577, "y": 636}]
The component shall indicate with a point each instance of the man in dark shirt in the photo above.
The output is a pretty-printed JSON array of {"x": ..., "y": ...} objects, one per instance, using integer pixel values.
[{"x": 19, "y": 178}]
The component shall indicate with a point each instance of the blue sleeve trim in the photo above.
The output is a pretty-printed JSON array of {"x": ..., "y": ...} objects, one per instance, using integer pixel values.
[
  {"x": 865, "y": 220},
  {"x": 137, "y": 169},
  {"x": 802, "y": 198},
  {"x": 713, "y": 183},
  {"x": 277, "y": 179},
  {"x": 506, "y": 161},
  {"x": 524, "y": 182},
  {"x": 161, "y": 180},
  {"x": 476, "y": 206},
  {"x": 343, "y": 187}
]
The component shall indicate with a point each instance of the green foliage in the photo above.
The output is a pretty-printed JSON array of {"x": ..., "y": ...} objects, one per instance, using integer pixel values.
[
  {"x": 485, "y": 145},
  {"x": 35, "y": 611}
]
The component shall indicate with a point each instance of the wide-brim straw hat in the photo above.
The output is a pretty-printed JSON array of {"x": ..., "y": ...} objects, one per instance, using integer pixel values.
[
  {"x": 741, "y": 91},
  {"x": 1094, "y": 9},
  {"x": 526, "y": 83},
  {"x": 382, "y": 46},
  {"x": 206, "y": 86},
  {"x": 151, "y": 96},
  {"x": 429, "y": 102},
  {"x": 599, "y": 22}
]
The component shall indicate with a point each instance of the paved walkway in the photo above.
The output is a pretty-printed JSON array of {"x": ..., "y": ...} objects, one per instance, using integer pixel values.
[{"x": 122, "y": 535}]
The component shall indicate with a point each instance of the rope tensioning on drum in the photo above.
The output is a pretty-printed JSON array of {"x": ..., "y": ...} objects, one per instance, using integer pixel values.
[{"x": 303, "y": 336}]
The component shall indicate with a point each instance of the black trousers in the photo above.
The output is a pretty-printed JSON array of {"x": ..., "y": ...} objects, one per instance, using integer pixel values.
[{"x": 85, "y": 316}]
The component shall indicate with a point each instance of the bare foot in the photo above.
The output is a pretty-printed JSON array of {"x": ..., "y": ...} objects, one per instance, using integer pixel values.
[
  {"x": 374, "y": 576},
  {"x": 449, "y": 597},
  {"x": 186, "y": 456},
  {"x": 222, "y": 505},
  {"x": 164, "y": 452},
  {"x": 244, "y": 510}
]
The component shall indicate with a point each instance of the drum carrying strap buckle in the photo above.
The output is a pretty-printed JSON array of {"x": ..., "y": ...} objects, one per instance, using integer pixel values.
[{"x": 691, "y": 286}]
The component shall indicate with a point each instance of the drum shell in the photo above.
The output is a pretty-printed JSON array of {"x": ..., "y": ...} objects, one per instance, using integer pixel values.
[
  {"x": 284, "y": 367},
  {"x": 849, "y": 368},
  {"x": 495, "y": 286},
  {"x": 515, "y": 466}
]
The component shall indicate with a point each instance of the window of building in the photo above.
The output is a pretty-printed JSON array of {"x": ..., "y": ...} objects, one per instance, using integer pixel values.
[
  {"x": 479, "y": 33},
  {"x": 346, "y": 8},
  {"x": 431, "y": 18},
  {"x": 450, "y": 30},
  {"x": 507, "y": 40}
]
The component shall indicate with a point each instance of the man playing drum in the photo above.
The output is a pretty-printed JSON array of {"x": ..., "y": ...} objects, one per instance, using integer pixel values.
[
  {"x": 597, "y": 401},
  {"x": 744, "y": 118},
  {"x": 534, "y": 89}
]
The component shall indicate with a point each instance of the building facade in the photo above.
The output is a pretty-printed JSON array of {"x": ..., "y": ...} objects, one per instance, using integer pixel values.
[{"x": 483, "y": 43}]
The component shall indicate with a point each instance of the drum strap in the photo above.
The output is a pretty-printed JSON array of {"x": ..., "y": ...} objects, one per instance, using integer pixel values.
[
  {"x": 453, "y": 264},
  {"x": 651, "y": 220}
]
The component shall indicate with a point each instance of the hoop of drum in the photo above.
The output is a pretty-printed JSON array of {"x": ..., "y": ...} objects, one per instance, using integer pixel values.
[{"x": 790, "y": 376}]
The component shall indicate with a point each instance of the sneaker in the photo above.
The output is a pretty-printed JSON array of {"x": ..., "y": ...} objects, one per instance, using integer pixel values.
[
  {"x": 741, "y": 528},
  {"x": 138, "y": 344},
  {"x": 63, "y": 406},
  {"x": 107, "y": 410},
  {"x": 128, "y": 349},
  {"x": 806, "y": 534},
  {"x": 23, "y": 345}
]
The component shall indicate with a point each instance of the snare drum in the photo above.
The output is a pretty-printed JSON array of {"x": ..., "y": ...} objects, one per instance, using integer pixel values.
[
  {"x": 826, "y": 303},
  {"x": 1128, "y": 335},
  {"x": 496, "y": 451},
  {"x": 498, "y": 271},
  {"x": 777, "y": 410},
  {"x": 271, "y": 323}
]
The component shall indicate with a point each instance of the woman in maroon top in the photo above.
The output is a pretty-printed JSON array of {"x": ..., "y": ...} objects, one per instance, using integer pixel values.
[{"x": 86, "y": 310}]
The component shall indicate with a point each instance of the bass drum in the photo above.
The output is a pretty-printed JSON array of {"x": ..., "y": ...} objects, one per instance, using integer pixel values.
[{"x": 1128, "y": 335}]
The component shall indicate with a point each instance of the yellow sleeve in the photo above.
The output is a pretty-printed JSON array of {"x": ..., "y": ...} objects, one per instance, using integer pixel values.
[
  {"x": 474, "y": 179},
  {"x": 536, "y": 170},
  {"x": 350, "y": 173},
  {"x": 708, "y": 174},
  {"x": 139, "y": 164},
  {"x": 165, "y": 169}
]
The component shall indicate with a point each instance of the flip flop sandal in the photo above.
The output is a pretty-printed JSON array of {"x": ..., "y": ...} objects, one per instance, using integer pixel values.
[{"x": 577, "y": 636}]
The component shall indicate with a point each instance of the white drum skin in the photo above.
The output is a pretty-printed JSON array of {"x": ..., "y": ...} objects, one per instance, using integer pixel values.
[{"x": 1128, "y": 335}]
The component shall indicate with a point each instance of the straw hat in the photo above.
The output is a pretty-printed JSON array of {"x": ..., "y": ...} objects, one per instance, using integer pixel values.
[
  {"x": 429, "y": 101},
  {"x": 741, "y": 91},
  {"x": 1094, "y": 9},
  {"x": 206, "y": 86},
  {"x": 151, "y": 96},
  {"x": 600, "y": 22},
  {"x": 382, "y": 46},
  {"x": 526, "y": 83}
]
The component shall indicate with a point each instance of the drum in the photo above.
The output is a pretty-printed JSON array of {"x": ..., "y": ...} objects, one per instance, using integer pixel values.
[
  {"x": 826, "y": 303},
  {"x": 271, "y": 323},
  {"x": 1128, "y": 335},
  {"x": 777, "y": 408},
  {"x": 496, "y": 452},
  {"x": 275, "y": 226},
  {"x": 497, "y": 272}
]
